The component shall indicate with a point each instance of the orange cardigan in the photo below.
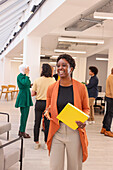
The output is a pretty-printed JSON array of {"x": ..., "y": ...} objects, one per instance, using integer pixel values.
[{"x": 80, "y": 101}]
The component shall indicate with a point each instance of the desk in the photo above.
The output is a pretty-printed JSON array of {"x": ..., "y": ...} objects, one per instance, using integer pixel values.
[
  {"x": 101, "y": 94},
  {"x": 100, "y": 101}
]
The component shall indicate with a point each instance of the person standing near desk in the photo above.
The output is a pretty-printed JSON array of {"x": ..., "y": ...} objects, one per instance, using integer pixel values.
[
  {"x": 92, "y": 91},
  {"x": 109, "y": 107}
]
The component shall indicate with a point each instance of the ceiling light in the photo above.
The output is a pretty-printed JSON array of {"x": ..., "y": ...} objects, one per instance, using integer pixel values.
[
  {"x": 14, "y": 34},
  {"x": 54, "y": 56},
  {"x": 20, "y": 61},
  {"x": 10, "y": 40},
  {"x": 33, "y": 9},
  {"x": 52, "y": 63},
  {"x": 102, "y": 59},
  {"x": 103, "y": 15},
  {"x": 21, "y": 25},
  {"x": 68, "y": 51},
  {"x": 17, "y": 58},
  {"x": 37, "y": 6},
  {"x": 42, "y": 55},
  {"x": 78, "y": 40}
]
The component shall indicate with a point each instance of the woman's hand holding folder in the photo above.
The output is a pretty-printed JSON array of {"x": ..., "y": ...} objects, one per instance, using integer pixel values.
[{"x": 80, "y": 124}]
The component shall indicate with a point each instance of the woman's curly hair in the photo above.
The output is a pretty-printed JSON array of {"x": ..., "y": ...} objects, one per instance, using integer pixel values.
[
  {"x": 68, "y": 58},
  {"x": 46, "y": 70}
]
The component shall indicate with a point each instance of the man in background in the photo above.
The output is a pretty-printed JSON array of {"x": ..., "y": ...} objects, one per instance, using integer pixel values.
[
  {"x": 109, "y": 107},
  {"x": 92, "y": 91}
]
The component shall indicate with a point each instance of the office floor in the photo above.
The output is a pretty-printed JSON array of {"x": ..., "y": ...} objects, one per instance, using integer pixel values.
[{"x": 100, "y": 147}]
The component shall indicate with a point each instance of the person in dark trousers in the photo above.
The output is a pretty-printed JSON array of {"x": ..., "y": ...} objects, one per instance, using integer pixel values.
[
  {"x": 106, "y": 129},
  {"x": 92, "y": 91},
  {"x": 24, "y": 100},
  {"x": 39, "y": 89}
]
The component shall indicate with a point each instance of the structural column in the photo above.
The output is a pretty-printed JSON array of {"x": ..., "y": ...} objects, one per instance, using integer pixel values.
[
  {"x": 80, "y": 70},
  {"x": 110, "y": 61},
  {"x": 31, "y": 57},
  {"x": 1, "y": 73}
]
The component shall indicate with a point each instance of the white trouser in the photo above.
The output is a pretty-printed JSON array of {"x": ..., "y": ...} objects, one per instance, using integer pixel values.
[{"x": 69, "y": 139}]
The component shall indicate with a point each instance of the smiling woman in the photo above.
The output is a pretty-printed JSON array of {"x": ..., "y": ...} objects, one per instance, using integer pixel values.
[
  {"x": 61, "y": 137},
  {"x": 66, "y": 62}
]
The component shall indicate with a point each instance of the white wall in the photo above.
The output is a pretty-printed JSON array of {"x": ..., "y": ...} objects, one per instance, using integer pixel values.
[
  {"x": 31, "y": 55},
  {"x": 14, "y": 72},
  {"x": 8, "y": 75},
  {"x": 1, "y": 72},
  {"x": 80, "y": 70},
  {"x": 6, "y": 70},
  {"x": 102, "y": 69}
]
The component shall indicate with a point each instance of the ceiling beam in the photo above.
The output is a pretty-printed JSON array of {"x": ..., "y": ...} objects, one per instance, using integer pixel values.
[{"x": 13, "y": 11}]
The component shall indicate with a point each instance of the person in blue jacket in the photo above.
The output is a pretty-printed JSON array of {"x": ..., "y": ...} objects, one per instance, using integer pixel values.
[{"x": 92, "y": 91}]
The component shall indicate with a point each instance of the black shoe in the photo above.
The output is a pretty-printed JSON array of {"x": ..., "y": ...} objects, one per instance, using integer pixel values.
[{"x": 25, "y": 135}]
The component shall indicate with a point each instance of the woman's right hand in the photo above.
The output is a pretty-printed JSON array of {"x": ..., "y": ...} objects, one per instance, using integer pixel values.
[
  {"x": 46, "y": 113},
  {"x": 27, "y": 71}
]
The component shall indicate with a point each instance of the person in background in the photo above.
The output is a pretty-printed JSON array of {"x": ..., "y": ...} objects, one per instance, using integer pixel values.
[
  {"x": 23, "y": 100},
  {"x": 107, "y": 121},
  {"x": 39, "y": 89},
  {"x": 60, "y": 136},
  {"x": 92, "y": 87}
]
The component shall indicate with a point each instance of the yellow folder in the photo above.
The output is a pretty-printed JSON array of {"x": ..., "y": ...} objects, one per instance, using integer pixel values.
[{"x": 70, "y": 114}]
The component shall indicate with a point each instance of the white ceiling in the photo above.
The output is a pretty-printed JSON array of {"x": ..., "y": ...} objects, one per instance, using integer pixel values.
[
  {"x": 11, "y": 12},
  {"x": 72, "y": 10}
]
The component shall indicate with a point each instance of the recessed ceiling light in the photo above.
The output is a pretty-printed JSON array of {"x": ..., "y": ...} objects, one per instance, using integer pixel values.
[
  {"x": 52, "y": 63},
  {"x": 69, "y": 51},
  {"x": 54, "y": 56},
  {"x": 42, "y": 55},
  {"x": 17, "y": 58},
  {"x": 103, "y": 15},
  {"x": 102, "y": 59},
  {"x": 20, "y": 61},
  {"x": 79, "y": 40}
]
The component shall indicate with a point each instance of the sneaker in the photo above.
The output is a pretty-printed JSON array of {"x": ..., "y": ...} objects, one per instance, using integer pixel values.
[
  {"x": 93, "y": 122},
  {"x": 45, "y": 146},
  {"x": 90, "y": 122},
  {"x": 108, "y": 133},
  {"x": 103, "y": 131},
  {"x": 37, "y": 146}
]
